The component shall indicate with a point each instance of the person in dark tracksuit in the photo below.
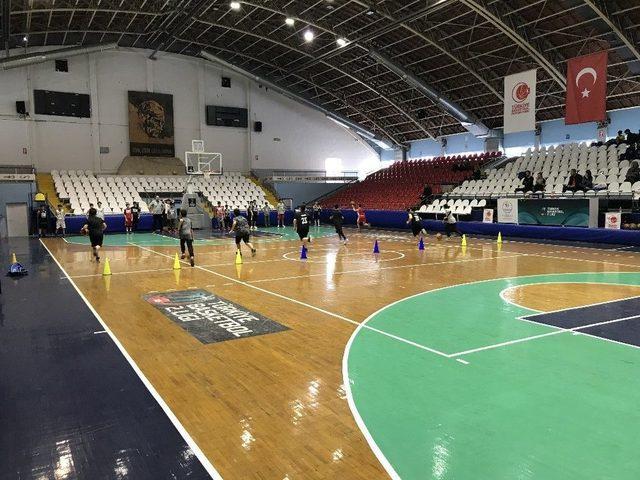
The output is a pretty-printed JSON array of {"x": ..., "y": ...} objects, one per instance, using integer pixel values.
[{"x": 337, "y": 219}]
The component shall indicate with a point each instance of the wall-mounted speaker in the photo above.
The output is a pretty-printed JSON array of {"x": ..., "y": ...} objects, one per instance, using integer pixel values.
[
  {"x": 257, "y": 126},
  {"x": 21, "y": 107},
  {"x": 226, "y": 82}
]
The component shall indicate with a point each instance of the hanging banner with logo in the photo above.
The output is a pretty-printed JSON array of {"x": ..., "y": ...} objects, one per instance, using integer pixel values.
[
  {"x": 612, "y": 220},
  {"x": 587, "y": 89},
  {"x": 520, "y": 102},
  {"x": 507, "y": 210}
]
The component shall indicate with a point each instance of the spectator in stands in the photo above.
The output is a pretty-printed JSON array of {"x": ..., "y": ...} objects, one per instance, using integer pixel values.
[
  {"x": 450, "y": 224},
  {"x": 620, "y": 138},
  {"x": 157, "y": 208},
  {"x": 220, "y": 216},
  {"x": 280, "y": 208},
  {"x": 43, "y": 220},
  {"x": 574, "y": 183},
  {"x": 100, "y": 211},
  {"x": 60, "y": 222},
  {"x": 632, "y": 138},
  {"x": 633, "y": 174},
  {"x": 90, "y": 207},
  {"x": 587, "y": 181},
  {"x": 135, "y": 211},
  {"x": 266, "y": 210},
  {"x": 527, "y": 182},
  {"x": 256, "y": 211},
  {"x": 540, "y": 183}
]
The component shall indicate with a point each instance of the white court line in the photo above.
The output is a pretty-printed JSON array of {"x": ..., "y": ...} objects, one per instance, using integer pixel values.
[
  {"x": 363, "y": 270},
  {"x": 582, "y": 260},
  {"x": 513, "y": 287},
  {"x": 464, "y": 362},
  {"x": 208, "y": 466},
  {"x": 99, "y": 332},
  {"x": 307, "y": 305},
  {"x": 548, "y": 334}
]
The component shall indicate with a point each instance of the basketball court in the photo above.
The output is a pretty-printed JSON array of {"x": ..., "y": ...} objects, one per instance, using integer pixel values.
[{"x": 512, "y": 360}]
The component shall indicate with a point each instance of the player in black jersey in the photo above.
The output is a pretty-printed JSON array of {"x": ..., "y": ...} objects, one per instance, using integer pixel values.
[
  {"x": 301, "y": 223},
  {"x": 416, "y": 223},
  {"x": 337, "y": 218}
]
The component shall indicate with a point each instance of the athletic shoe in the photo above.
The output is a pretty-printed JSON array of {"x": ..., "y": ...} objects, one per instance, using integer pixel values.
[
  {"x": 309, "y": 237},
  {"x": 182, "y": 256},
  {"x": 193, "y": 263},
  {"x": 97, "y": 259},
  {"x": 253, "y": 252}
]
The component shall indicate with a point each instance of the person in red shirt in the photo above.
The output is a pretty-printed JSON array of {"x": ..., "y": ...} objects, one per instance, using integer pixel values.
[
  {"x": 362, "y": 218},
  {"x": 128, "y": 218}
]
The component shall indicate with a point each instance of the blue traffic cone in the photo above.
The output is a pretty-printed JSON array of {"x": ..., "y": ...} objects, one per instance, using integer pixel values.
[
  {"x": 421, "y": 244},
  {"x": 375, "y": 247},
  {"x": 303, "y": 253}
]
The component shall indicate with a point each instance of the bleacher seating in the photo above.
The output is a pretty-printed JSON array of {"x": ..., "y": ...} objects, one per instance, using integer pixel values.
[
  {"x": 555, "y": 163},
  {"x": 80, "y": 188},
  {"x": 400, "y": 186}
]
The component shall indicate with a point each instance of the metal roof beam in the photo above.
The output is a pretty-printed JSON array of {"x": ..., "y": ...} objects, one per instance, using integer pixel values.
[
  {"x": 601, "y": 9},
  {"x": 511, "y": 24},
  {"x": 468, "y": 121}
]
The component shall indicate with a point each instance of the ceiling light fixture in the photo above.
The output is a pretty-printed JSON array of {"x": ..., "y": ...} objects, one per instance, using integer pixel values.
[
  {"x": 235, "y": 5},
  {"x": 308, "y": 36},
  {"x": 341, "y": 42},
  {"x": 289, "y": 21}
]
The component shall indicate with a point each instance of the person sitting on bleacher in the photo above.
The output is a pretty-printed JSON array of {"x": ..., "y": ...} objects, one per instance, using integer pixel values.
[
  {"x": 527, "y": 183},
  {"x": 633, "y": 174},
  {"x": 632, "y": 138},
  {"x": 620, "y": 138},
  {"x": 540, "y": 183},
  {"x": 587, "y": 181},
  {"x": 575, "y": 182}
]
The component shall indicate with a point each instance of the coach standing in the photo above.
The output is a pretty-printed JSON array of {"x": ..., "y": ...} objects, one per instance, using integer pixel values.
[{"x": 157, "y": 209}]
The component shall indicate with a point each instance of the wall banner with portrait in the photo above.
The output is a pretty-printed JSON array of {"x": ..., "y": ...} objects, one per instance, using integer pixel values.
[{"x": 151, "y": 124}]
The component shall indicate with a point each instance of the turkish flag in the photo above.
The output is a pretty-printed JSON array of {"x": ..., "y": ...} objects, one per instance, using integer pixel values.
[{"x": 587, "y": 89}]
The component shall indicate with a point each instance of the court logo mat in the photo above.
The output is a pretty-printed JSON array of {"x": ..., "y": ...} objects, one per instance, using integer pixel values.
[{"x": 211, "y": 318}]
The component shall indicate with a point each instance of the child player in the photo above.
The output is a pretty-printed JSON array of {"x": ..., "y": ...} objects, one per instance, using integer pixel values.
[
  {"x": 128, "y": 218},
  {"x": 185, "y": 231},
  {"x": 301, "y": 225},
  {"x": 242, "y": 228},
  {"x": 337, "y": 218},
  {"x": 362, "y": 219},
  {"x": 416, "y": 224}
]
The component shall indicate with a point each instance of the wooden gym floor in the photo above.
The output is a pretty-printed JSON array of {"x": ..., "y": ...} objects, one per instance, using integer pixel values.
[{"x": 276, "y": 406}]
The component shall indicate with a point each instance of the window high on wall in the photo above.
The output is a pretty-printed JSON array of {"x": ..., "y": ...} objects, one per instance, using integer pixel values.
[{"x": 333, "y": 166}]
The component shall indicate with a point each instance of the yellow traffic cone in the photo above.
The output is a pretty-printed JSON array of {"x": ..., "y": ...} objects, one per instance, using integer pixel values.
[
  {"x": 176, "y": 276},
  {"x": 13, "y": 258},
  {"x": 176, "y": 263},
  {"x": 107, "y": 283},
  {"x": 238, "y": 257},
  {"x": 499, "y": 237},
  {"x": 107, "y": 267},
  {"x": 238, "y": 270},
  {"x": 464, "y": 240}
]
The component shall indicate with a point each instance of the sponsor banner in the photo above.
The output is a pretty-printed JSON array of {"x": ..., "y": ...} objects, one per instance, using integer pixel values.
[
  {"x": 507, "y": 210},
  {"x": 151, "y": 125},
  {"x": 309, "y": 179},
  {"x": 560, "y": 212},
  {"x": 17, "y": 177},
  {"x": 487, "y": 215},
  {"x": 612, "y": 220},
  {"x": 520, "y": 102},
  {"x": 211, "y": 318},
  {"x": 587, "y": 89}
]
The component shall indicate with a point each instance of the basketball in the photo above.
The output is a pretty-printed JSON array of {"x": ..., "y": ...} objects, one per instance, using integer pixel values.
[
  {"x": 439, "y": 236},
  {"x": 83, "y": 231}
]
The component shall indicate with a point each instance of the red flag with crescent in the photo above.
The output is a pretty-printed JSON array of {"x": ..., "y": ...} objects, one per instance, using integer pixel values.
[{"x": 587, "y": 89}]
